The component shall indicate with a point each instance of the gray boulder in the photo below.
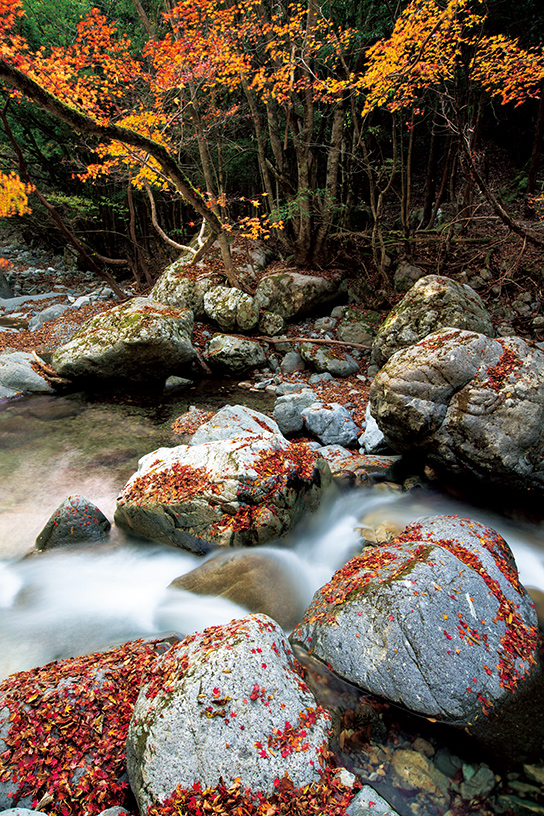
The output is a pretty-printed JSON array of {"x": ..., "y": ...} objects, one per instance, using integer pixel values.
[
  {"x": 225, "y": 704},
  {"x": 367, "y": 802},
  {"x": 17, "y": 375},
  {"x": 5, "y": 288},
  {"x": 235, "y": 492},
  {"x": 358, "y": 326},
  {"x": 373, "y": 440},
  {"x": 292, "y": 295},
  {"x": 231, "y": 309},
  {"x": 288, "y": 410},
  {"x": 331, "y": 423},
  {"x": 234, "y": 355},
  {"x": 292, "y": 362},
  {"x": 329, "y": 359},
  {"x": 472, "y": 405},
  {"x": 406, "y": 274},
  {"x": 231, "y": 422},
  {"x": 51, "y": 313},
  {"x": 258, "y": 580},
  {"x": 139, "y": 341},
  {"x": 75, "y": 521},
  {"x": 433, "y": 303},
  {"x": 179, "y": 290},
  {"x": 438, "y": 622}
]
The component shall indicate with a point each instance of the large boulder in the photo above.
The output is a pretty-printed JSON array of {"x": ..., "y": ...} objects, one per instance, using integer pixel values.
[
  {"x": 233, "y": 421},
  {"x": 259, "y": 580},
  {"x": 292, "y": 295},
  {"x": 231, "y": 309},
  {"x": 18, "y": 375},
  {"x": 76, "y": 521},
  {"x": 288, "y": 410},
  {"x": 433, "y": 303},
  {"x": 438, "y": 622},
  {"x": 473, "y": 406},
  {"x": 138, "y": 341},
  {"x": 224, "y": 706},
  {"x": 63, "y": 730},
  {"x": 180, "y": 290},
  {"x": 234, "y": 355},
  {"x": 233, "y": 493}
]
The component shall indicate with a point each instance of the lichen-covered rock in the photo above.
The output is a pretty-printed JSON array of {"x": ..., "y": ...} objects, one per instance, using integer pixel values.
[
  {"x": 63, "y": 729},
  {"x": 224, "y": 704},
  {"x": 433, "y": 303},
  {"x": 138, "y": 341},
  {"x": 236, "y": 492},
  {"x": 472, "y": 405},
  {"x": 438, "y": 622},
  {"x": 234, "y": 355},
  {"x": 179, "y": 291},
  {"x": 75, "y": 521},
  {"x": 292, "y": 295},
  {"x": 331, "y": 423},
  {"x": 329, "y": 359},
  {"x": 17, "y": 374},
  {"x": 271, "y": 323},
  {"x": 258, "y": 580},
  {"x": 406, "y": 274},
  {"x": 358, "y": 326},
  {"x": 233, "y": 421},
  {"x": 231, "y": 309}
]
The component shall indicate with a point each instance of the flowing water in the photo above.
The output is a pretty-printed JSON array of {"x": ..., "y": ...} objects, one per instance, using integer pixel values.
[{"x": 66, "y": 602}]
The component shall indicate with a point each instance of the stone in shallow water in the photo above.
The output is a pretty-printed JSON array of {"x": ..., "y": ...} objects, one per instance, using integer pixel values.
[{"x": 75, "y": 521}]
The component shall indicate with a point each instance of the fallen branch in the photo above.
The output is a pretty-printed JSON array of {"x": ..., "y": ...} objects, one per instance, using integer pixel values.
[
  {"x": 312, "y": 340},
  {"x": 47, "y": 372},
  {"x": 203, "y": 362}
]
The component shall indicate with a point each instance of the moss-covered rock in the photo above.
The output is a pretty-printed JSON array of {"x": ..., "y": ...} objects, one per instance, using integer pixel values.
[
  {"x": 292, "y": 295},
  {"x": 138, "y": 341}
]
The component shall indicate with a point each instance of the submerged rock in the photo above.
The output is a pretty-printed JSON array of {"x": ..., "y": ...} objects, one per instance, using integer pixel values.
[
  {"x": 433, "y": 303},
  {"x": 260, "y": 581},
  {"x": 234, "y": 492},
  {"x": 225, "y": 704},
  {"x": 139, "y": 341},
  {"x": 470, "y": 404},
  {"x": 438, "y": 622}
]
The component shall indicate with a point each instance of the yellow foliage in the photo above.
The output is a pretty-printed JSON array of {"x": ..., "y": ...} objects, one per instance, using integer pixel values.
[{"x": 13, "y": 195}]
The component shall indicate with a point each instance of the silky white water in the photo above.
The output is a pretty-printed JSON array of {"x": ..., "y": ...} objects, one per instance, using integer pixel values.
[{"x": 67, "y": 602}]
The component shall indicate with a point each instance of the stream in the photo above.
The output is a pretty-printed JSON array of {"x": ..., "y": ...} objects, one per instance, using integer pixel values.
[{"x": 66, "y": 602}]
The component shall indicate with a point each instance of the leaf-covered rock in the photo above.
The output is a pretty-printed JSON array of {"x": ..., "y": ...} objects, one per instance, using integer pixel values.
[
  {"x": 438, "y": 622},
  {"x": 472, "y": 405},
  {"x": 235, "y": 492},
  {"x": 75, "y": 521},
  {"x": 224, "y": 705},
  {"x": 433, "y": 303},
  {"x": 63, "y": 730}
]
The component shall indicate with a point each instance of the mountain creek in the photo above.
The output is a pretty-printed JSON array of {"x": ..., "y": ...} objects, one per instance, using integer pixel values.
[{"x": 79, "y": 600}]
